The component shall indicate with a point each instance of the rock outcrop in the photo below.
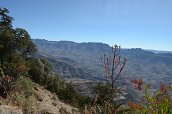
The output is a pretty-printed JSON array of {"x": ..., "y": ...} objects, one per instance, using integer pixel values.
[
  {"x": 4, "y": 109},
  {"x": 50, "y": 104}
]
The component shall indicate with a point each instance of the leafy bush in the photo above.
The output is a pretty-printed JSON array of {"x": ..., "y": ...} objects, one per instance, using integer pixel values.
[
  {"x": 158, "y": 103},
  {"x": 69, "y": 94},
  {"x": 83, "y": 100},
  {"x": 55, "y": 84}
]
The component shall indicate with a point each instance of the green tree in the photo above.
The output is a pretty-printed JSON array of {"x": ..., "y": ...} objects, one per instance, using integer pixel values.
[
  {"x": 5, "y": 19},
  {"x": 24, "y": 45},
  {"x": 13, "y": 41},
  {"x": 16, "y": 66},
  {"x": 40, "y": 71},
  {"x": 6, "y": 34},
  {"x": 47, "y": 70},
  {"x": 36, "y": 70}
]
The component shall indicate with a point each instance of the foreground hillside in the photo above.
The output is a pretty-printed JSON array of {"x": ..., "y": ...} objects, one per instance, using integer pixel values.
[
  {"x": 154, "y": 68},
  {"x": 49, "y": 103},
  {"x": 44, "y": 103}
]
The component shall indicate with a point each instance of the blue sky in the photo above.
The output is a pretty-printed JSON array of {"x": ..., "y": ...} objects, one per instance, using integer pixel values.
[{"x": 130, "y": 23}]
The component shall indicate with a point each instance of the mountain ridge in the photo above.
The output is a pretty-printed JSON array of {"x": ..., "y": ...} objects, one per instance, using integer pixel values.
[
  {"x": 151, "y": 67},
  {"x": 68, "y": 41}
]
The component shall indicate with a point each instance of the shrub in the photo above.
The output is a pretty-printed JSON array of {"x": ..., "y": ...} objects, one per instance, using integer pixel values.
[
  {"x": 103, "y": 91},
  {"x": 69, "y": 95},
  {"x": 25, "y": 94},
  {"x": 5, "y": 84},
  {"x": 158, "y": 103}
]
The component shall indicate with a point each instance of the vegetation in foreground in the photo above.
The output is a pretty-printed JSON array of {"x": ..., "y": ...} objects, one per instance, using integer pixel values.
[{"x": 157, "y": 103}]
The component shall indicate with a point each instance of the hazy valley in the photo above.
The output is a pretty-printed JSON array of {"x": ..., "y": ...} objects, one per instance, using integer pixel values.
[
  {"x": 83, "y": 60},
  {"x": 80, "y": 64}
]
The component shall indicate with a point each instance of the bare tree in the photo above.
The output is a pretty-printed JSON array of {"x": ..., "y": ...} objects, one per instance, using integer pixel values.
[
  {"x": 113, "y": 67},
  {"x": 113, "y": 71}
]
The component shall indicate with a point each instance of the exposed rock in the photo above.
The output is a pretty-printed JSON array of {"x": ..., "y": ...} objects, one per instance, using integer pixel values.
[
  {"x": 51, "y": 104},
  {"x": 39, "y": 98},
  {"x": 53, "y": 98},
  {"x": 35, "y": 87},
  {"x": 55, "y": 104},
  {"x": 4, "y": 109}
]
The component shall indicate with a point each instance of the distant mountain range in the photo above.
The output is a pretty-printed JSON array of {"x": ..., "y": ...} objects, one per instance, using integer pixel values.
[
  {"x": 159, "y": 51},
  {"x": 83, "y": 60}
]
